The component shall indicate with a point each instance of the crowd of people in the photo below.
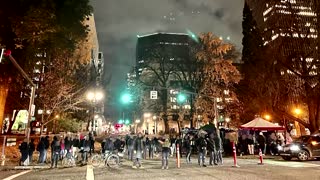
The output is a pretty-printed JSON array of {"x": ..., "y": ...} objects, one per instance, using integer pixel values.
[
  {"x": 138, "y": 147},
  {"x": 60, "y": 148}
]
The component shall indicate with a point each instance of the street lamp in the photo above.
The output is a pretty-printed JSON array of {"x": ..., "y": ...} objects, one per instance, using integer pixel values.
[
  {"x": 155, "y": 124},
  {"x": 297, "y": 111},
  {"x": 267, "y": 117},
  {"x": 94, "y": 97}
]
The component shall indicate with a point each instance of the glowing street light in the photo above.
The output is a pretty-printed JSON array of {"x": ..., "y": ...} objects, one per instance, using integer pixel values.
[
  {"x": 267, "y": 117},
  {"x": 228, "y": 120},
  {"x": 126, "y": 98},
  {"x": 297, "y": 111}
]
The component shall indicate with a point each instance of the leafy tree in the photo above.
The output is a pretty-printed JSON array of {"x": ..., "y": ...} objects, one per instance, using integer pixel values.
[
  {"x": 219, "y": 74},
  {"x": 158, "y": 73},
  {"x": 33, "y": 29}
]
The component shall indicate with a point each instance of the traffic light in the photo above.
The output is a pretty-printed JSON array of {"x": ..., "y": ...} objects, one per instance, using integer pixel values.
[
  {"x": 127, "y": 121},
  {"x": 126, "y": 98},
  {"x": 181, "y": 98},
  {"x": 121, "y": 121},
  {"x": 117, "y": 126}
]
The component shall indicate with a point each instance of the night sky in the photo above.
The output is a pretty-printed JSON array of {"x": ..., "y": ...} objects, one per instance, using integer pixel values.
[{"x": 120, "y": 21}]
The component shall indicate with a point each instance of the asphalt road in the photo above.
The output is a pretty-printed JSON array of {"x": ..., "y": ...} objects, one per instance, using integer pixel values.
[{"x": 248, "y": 170}]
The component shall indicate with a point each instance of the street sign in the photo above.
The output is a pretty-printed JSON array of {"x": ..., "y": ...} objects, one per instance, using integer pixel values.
[
  {"x": 153, "y": 94},
  {"x": 2, "y": 51},
  {"x": 33, "y": 108}
]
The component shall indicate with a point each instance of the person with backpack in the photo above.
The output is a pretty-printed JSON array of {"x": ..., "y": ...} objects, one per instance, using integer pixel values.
[
  {"x": 202, "y": 148},
  {"x": 55, "y": 152},
  {"x": 165, "y": 152}
]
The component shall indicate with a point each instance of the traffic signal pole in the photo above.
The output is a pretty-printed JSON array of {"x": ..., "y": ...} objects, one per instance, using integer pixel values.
[{"x": 33, "y": 89}]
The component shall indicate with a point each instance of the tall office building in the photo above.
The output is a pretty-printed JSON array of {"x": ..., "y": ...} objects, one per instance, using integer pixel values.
[
  {"x": 157, "y": 57},
  {"x": 290, "y": 26}
]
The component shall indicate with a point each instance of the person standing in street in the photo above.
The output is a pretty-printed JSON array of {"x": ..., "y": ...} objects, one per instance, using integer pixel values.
[
  {"x": 218, "y": 148},
  {"x": 41, "y": 149},
  {"x": 55, "y": 152},
  {"x": 262, "y": 142},
  {"x": 46, "y": 145},
  {"x": 86, "y": 144},
  {"x": 32, "y": 148},
  {"x": 130, "y": 144},
  {"x": 212, "y": 150},
  {"x": 24, "y": 150},
  {"x": 165, "y": 152},
  {"x": 201, "y": 145},
  {"x": 187, "y": 144},
  {"x": 138, "y": 150}
]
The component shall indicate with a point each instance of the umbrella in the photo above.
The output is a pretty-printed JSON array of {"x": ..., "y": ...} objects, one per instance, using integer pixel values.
[
  {"x": 209, "y": 128},
  {"x": 201, "y": 131}
]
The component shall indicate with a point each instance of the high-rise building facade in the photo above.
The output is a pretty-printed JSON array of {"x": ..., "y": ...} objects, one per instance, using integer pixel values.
[
  {"x": 290, "y": 27},
  {"x": 157, "y": 57}
]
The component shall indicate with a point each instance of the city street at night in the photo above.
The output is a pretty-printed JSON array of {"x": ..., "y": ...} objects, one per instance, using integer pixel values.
[{"x": 117, "y": 89}]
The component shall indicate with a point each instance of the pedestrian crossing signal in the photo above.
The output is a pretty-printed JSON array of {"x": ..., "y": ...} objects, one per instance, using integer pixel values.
[{"x": 153, "y": 94}]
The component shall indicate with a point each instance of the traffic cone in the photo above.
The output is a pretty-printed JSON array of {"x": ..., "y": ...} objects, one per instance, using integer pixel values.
[
  {"x": 235, "y": 164},
  {"x": 178, "y": 156},
  {"x": 260, "y": 157}
]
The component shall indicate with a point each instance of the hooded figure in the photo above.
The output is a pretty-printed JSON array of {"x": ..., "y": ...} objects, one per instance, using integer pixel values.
[{"x": 24, "y": 150}]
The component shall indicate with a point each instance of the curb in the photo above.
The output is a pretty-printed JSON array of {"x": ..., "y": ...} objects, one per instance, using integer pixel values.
[{"x": 4, "y": 168}]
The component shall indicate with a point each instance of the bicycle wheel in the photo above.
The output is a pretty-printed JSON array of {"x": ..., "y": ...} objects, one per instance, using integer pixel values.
[
  {"x": 67, "y": 162},
  {"x": 96, "y": 160},
  {"x": 113, "y": 160}
]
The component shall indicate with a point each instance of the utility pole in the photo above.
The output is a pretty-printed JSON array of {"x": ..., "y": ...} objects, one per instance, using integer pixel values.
[{"x": 33, "y": 89}]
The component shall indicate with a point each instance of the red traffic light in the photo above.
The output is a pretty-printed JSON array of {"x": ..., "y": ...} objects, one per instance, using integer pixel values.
[
  {"x": 118, "y": 126},
  {"x": 7, "y": 52}
]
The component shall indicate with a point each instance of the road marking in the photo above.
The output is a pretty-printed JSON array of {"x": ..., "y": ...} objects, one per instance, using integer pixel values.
[
  {"x": 90, "y": 175},
  {"x": 16, "y": 175},
  {"x": 287, "y": 163}
]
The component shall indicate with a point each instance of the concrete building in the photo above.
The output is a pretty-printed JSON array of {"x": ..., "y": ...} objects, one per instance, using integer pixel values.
[{"x": 157, "y": 57}]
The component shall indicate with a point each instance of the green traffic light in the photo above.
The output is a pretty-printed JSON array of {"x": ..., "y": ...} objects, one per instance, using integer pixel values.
[
  {"x": 181, "y": 98},
  {"x": 126, "y": 98},
  {"x": 127, "y": 122},
  {"x": 120, "y": 121}
]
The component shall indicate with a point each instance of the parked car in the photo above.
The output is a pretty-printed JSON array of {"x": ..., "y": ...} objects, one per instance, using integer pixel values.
[{"x": 304, "y": 148}]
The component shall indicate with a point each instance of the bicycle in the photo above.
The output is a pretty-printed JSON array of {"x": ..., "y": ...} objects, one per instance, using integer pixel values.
[
  {"x": 110, "y": 159},
  {"x": 69, "y": 159}
]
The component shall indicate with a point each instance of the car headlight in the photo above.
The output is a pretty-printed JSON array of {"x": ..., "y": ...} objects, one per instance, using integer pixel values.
[
  {"x": 280, "y": 148},
  {"x": 294, "y": 148}
]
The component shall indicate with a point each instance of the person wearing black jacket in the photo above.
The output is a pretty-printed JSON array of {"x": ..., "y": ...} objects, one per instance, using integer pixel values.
[
  {"x": 187, "y": 145},
  {"x": 202, "y": 148},
  {"x": 31, "y": 150},
  {"x": 211, "y": 149},
  {"x": 55, "y": 151},
  {"x": 86, "y": 147},
  {"x": 75, "y": 145},
  {"x": 218, "y": 148},
  {"x": 41, "y": 149},
  {"x": 46, "y": 145},
  {"x": 24, "y": 150},
  {"x": 138, "y": 148}
]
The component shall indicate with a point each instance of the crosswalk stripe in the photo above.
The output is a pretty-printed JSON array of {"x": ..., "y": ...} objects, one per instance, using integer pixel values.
[
  {"x": 17, "y": 175},
  {"x": 90, "y": 175}
]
